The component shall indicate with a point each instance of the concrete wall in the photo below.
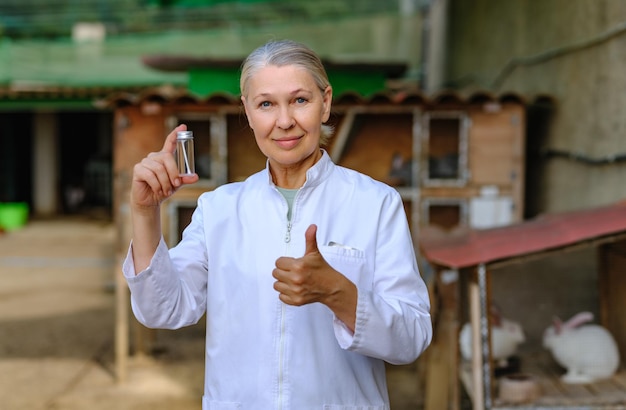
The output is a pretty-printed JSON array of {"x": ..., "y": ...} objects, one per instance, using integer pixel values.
[{"x": 571, "y": 50}]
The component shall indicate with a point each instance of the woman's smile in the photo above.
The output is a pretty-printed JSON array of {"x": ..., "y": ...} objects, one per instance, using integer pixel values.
[{"x": 287, "y": 142}]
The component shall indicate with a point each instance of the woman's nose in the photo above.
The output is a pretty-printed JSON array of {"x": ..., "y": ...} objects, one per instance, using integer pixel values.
[{"x": 285, "y": 119}]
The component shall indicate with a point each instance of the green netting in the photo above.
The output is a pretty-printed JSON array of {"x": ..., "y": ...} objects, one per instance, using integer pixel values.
[{"x": 55, "y": 18}]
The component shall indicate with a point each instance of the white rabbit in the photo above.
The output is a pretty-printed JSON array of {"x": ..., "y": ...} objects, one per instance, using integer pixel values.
[
  {"x": 588, "y": 352},
  {"x": 506, "y": 336}
]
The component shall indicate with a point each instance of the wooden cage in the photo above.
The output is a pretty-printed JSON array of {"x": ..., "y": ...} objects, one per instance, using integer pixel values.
[{"x": 465, "y": 266}]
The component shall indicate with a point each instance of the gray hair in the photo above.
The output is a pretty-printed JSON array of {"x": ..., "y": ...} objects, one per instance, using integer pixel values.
[{"x": 282, "y": 53}]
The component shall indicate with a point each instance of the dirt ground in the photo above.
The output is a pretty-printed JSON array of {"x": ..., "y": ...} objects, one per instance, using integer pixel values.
[{"x": 57, "y": 317}]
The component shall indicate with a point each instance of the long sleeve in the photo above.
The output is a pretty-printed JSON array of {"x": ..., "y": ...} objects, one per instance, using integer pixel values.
[
  {"x": 393, "y": 310},
  {"x": 171, "y": 292}
]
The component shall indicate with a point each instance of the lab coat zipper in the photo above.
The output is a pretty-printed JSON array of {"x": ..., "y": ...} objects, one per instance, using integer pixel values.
[
  {"x": 282, "y": 322},
  {"x": 288, "y": 233},
  {"x": 281, "y": 357}
]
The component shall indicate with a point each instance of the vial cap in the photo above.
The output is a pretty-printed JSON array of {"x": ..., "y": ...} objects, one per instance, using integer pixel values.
[{"x": 184, "y": 135}]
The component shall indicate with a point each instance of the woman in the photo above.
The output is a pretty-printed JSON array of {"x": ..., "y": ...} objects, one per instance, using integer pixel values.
[{"x": 306, "y": 270}]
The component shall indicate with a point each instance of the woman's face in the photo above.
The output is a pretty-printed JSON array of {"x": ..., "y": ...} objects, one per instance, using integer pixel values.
[{"x": 286, "y": 109}]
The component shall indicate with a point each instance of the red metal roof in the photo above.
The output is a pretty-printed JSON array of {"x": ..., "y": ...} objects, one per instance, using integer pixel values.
[
  {"x": 546, "y": 232},
  {"x": 171, "y": 94}
]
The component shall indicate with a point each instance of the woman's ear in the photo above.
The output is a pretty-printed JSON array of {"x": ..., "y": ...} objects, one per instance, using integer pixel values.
[
  {"x": 245, "y": 109},
  {"x": 327, "y": 98}
]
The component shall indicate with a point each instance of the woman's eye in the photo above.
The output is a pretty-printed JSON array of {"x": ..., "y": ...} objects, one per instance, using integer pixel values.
[
  {"x": 265, "y": 104},
  {"x": 300, "y": 100}
]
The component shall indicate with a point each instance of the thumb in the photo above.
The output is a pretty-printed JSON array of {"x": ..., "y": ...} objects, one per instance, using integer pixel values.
[{"x": 311, "y": 241}]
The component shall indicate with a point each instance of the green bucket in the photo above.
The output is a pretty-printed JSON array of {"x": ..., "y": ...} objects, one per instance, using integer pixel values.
[{"x": 13, "y": 215}]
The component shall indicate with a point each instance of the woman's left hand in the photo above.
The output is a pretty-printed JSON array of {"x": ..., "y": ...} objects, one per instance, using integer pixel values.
[{"x": 310, "y": 279}]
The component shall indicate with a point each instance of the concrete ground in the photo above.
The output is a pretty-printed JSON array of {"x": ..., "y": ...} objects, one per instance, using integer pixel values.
[{"x": 57, "y": 317}]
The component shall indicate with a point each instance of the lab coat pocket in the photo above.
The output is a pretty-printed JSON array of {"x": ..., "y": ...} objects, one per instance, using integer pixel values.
[
  {"x": 344, "y": 407},
  {"x": 219, "y": 405},
  {"x": 351, "y": 262}
]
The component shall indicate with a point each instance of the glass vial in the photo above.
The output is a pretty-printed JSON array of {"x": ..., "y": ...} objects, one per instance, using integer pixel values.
[{"x": 184, "y": 153}]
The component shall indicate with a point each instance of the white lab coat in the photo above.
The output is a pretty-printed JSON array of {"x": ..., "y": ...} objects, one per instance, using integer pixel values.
[{"x": 262, "y": 353}]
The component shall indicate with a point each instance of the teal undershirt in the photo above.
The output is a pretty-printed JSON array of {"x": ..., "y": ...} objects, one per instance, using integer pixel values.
[{"x": 289, "y": 195}]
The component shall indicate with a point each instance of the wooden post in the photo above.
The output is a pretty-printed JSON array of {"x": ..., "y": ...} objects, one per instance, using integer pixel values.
[
  {"x": 477, "y": 357},
  {"x": 121, "y": 326}
]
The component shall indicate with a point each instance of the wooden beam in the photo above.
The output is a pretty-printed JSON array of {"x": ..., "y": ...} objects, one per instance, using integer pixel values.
[{"x": 341, "y": 138}]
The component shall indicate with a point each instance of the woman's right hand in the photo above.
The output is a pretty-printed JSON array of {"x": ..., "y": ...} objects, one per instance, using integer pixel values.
[{"x": 156, "y": 177}]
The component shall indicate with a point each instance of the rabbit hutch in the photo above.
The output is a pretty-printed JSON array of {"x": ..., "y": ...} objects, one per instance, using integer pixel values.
[
  {"x": 456, "y": 160},
  {"x": 468, "y": 265}
]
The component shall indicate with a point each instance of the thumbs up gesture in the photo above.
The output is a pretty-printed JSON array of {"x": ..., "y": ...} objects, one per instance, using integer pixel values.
[{"x": 309, "y": 279}]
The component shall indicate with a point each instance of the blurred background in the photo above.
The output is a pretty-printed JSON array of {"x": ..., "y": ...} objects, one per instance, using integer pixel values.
[{"x": 486, "y": 115}]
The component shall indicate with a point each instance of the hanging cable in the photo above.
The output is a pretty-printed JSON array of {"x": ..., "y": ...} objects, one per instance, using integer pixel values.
[
  {"x": 578, "y": 157},
  {"x": 515, "y": 62}
]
